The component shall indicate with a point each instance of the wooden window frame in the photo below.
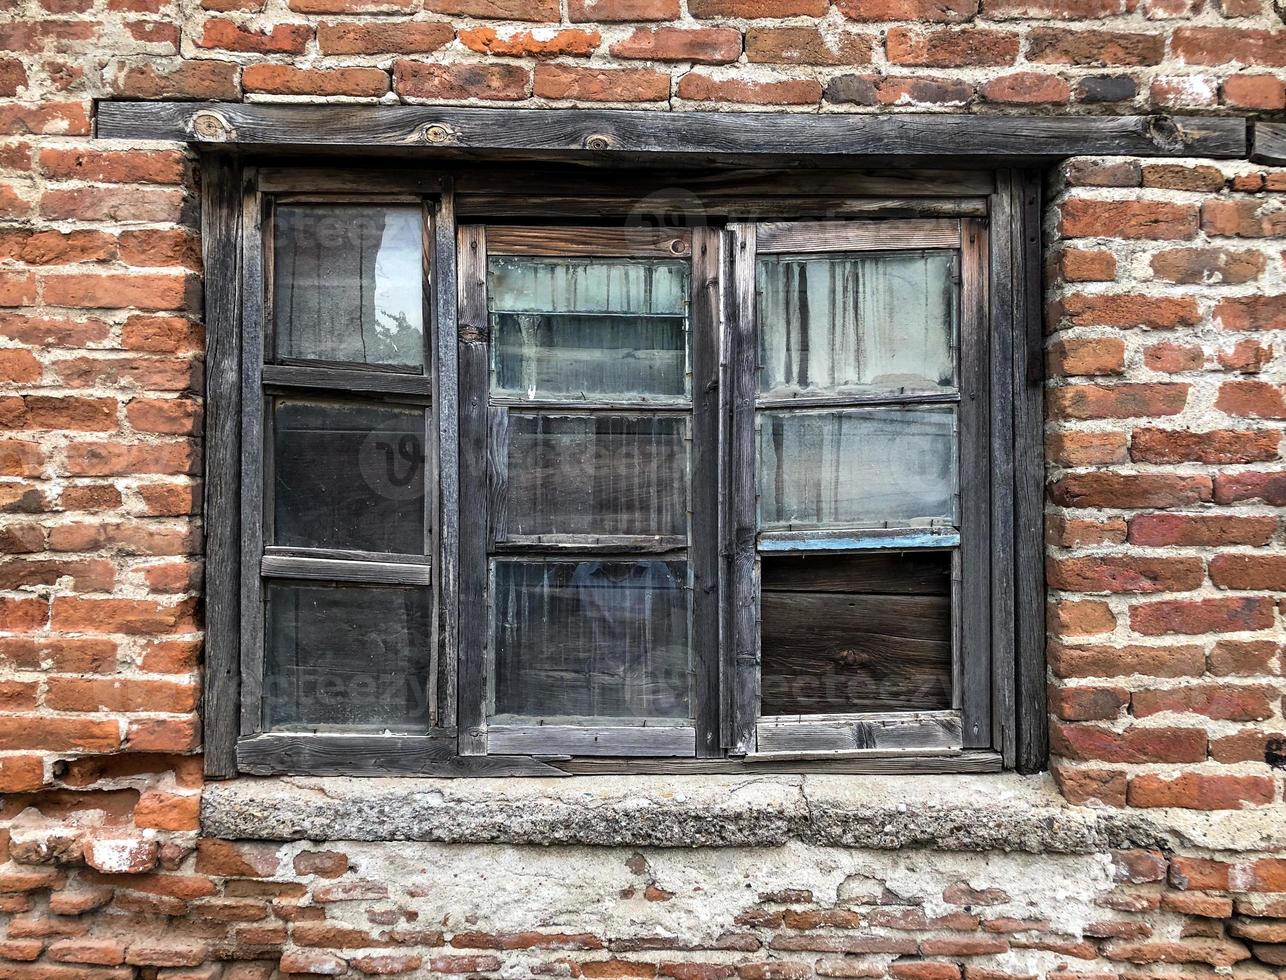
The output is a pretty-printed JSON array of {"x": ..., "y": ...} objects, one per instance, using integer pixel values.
[{"x": 1002, "y": 712}]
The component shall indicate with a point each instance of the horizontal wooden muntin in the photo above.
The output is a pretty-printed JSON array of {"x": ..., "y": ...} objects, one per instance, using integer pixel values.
[
  {"x": 654, "y": 741},
  {"x": 860, "y": 539},
  {"x": 801, "y": 736},
  {"x": 588, "y": 241},
  {"x": 356, "y": 572},
  {"x": 777, "y": 237}
]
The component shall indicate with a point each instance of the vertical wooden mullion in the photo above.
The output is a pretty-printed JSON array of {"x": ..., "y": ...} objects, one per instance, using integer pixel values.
[
  {"x": 1032, "y": 727},
  {"x": 975, "y": 490},
  {"x": 253, "y": 317},
  {"x": 703, "y": 494},
  {"x": 473, "y": 332},
  {"x": 444, "y": 361},
  {"x": 1004, "y": 226},
  {"x": 221, "y": 239},
  {"x": 742, "y": 604}
]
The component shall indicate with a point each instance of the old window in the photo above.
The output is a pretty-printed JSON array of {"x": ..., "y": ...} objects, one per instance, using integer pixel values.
[{"x": 528, "y": 484}]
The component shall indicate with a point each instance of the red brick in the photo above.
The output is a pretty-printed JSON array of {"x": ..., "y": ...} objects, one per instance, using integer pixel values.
[
  {"x": 709, "y": 45},
  {"x": 418, "y": 80},
  {"x": 805, "y": 46},
  {"x": 1254, "y": 92},
  {"x": 1208, "y": 266},
  {"x": 1172, "y": 358},
  {"x": 1089, "y": 703},
  {"x": 1191, "y": 616},
  {"x": 1080, "y": 617},
  {"x": 1252, "y": 399},
  {"x": 1132, "y": 573},
  {"x": 1072, "y": 448},
  {"x": 942, "y": 11},
  {"x": 162, "y": 735},
  {"x": 950, "y": 47},
  {"x": 1087, "y": 265},
  {"x": 161, "y": 334},
  {"x": 196, "y": 79},
  {"x": 1155, "y": 220},
  {"x": 1217, "y": 446},
  {"x": 144, "y": 292},
  {"x": 1134, "y": 745},
  {"x": 1228, "y": 702},
  {"x": 1111, "y": 661},
  {"x": 1183, "y": 177},
  {"x": 288, "y": 80},
  {"x": 1220, "y": 45},
  {"x": 1090, "y": 786},
  {"x": 1263, "y": 312},
  {"x": 1091, "y": 401},
  {"x": 522, "y": 44},
  {"x": 1198, "y": 873},
  {"x": 582, "y": 11},
  {"x": 130, "y": 616},
  {"x": 1241, "y": 571},
  {"x": 892, "y": 90},
  {"x": 114, "y": 459},
  {"x": 754, "y": 9},
  {"x": 21, "y": 773},
  {"x": 1087, "y": 356},
  {"x": 240, "y": 860},
  {"x": 1249, "y": 745},
  {"x": 114, "y": 166},
  {"x": 1247, "y": 658},
  {"x": 698, "y": 87},
  {"x": 1059, "y": 46},
  {"x": 1125, "y": 310},
  {"x": 1199, "y": 791},
  {"x": 1027, "y": 88},
  {"x": 1200, "y": 530},
  {"x": 58, "y": 734},
  {"x": 1235, "y": 487},
  {"x": 1074, "y": 532},
  {"x": 231, "y": 36}
]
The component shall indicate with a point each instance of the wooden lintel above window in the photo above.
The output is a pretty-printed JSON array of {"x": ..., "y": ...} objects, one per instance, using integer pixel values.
[{"x": 635, "y": 135}]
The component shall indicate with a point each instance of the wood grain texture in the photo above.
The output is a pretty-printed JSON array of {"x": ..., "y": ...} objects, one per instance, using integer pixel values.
[
  {"x": 329, "y": 569},
  {"x": 612, "y": 133},
  {"x": 342, "y": 379},
  {"x": 375, "y": 755},
  {"x": 642, "y": 242},
  {"x": 221, "y": 245},
  {"x": 445, "y": 359},
  {"x": 853, "y": 765},
  {"x": 1269, "y": 143},
  {"x": 889, "y": 734},
  {"x": 589, "y": 740},
  {"x": 824, "y": 236}
]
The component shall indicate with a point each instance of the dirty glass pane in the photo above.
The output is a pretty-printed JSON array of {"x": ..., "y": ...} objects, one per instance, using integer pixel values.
[
  {"x": 347, "y": 657},
  {"x": 588, "y": 327},
  {"x": 857, "y": 322},
  {"x": 347, "y": 475},
  {"x": 857, "y": 467},
  {"x": 347, "y": 285},
  {"x": 591, "y": 639},
  {"x": 597, "y": 474}
]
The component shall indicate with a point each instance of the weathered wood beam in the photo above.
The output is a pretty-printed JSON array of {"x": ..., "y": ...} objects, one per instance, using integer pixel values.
[
  {"x": 632, "y": 134},
  {"x": 1269, "y": 143}
]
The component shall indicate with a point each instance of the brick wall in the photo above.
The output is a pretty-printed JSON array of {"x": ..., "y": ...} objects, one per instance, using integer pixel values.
[{"x": 1167, "y": 357}]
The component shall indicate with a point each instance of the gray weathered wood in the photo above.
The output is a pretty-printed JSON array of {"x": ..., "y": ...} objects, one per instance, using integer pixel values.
[
  {"x": 705, "y": 329},
  {"x": 445, "y": 347},
  {"x": 325, "y": 183},
  {"x": 1005, "y": 241},
  {"x": 1269, "y": 143},
  {"x": 594, "y": 544},
  {"x": 973, "y": 633},
  {"x": 474, "y": 380},
  {"x": 221, "y": 245},
  {"x": 830, "y": 236},
  {"x": 1032, "y": 722},
  {"x": 615, "y": 133},
  {"x": 591, "y": 739},
  {"x": 431, "y": 755},
  {"x": 801, "y": 735},
  {"x": 328, "y": 569},
  {"x": 742, "y": 517},
  {"x": 341, "y": 379},
  {"x": 253, "y": 325},
  {"x": 596, "y": 242},
  {"x": 849, "y": 764}
]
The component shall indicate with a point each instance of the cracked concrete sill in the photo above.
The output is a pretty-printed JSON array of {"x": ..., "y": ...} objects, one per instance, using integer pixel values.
[{"x": 994, "y": 812}]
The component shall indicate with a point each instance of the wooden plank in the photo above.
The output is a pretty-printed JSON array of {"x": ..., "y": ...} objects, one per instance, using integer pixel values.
[
  {"x": 429, "y": 755},
  {"x": 253, "y": 325},
  {"x": 800, "y": 736},
  {"x": 1032, "y": 721},
  {"x": 1269, "y": 143},
  {"x": 498, "y": 474},
  {"x": 854, "y": 765},
  {"x": 824, "y": 236},
  {"x": 221, "y": 247},
  {"x": 474, "y": 380},
  {"x": 944, "y": 397},
  {"x": 884, "y": 573},
  {"x": 591, "y": 205},
  {"x": 903, "y": 539},
  {"x": 705, "y": 330},
  {"x": 341, "y": 379},
  {"x": 973, "y": 650},
  {"x": 331, "y": 181},
  {"x": 611, "y": 134},
  {"x": 597, "y": 544},
  {"x": 588, "y": 241},
  {"x": 583, "y": 740},
  {"x": 1006, "y": 223},
  {"x": 742, "y": 515},
  {"x": 328, "y": 569},
  {"x": 446, "y": 409}
]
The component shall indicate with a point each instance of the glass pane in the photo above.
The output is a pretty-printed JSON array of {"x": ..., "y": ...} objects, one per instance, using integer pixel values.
[
  {"x": 343, "y": 656},
  {"x": 585, "y": 327},
  {"x": 597, "y": 639},
  {"x": 846, "y": 633},
  {"x": 347, "y": 475},
  {"x": 347, "y": 285},
  {"x": 857, "y": 467},
  {"x": 597, "y": 474},
  {"x": 840, "y": 323}
]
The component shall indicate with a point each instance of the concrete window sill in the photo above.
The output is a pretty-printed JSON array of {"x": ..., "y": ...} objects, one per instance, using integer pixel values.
[{"x": 994, "y": 812}]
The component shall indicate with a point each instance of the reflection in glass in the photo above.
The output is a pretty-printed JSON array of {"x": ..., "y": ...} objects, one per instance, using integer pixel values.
[
  {"x": 346, "y": 657},
  {"x": 834, "y": 323},
  {"x": 857, "y": 467},
  {"x": 348, "y": 475},
  {"x": 597, "y": 474},
  {"x": 581, "y": 327},
  {"x": 596, "y": 639},
  {"x": 347, "y": 285}
]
